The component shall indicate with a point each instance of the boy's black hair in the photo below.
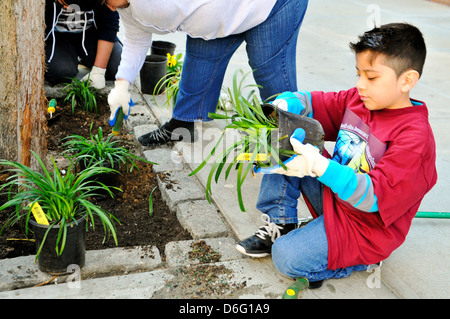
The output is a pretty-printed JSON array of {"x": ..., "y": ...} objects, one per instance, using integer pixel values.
[{"x": 401, "y": 43}]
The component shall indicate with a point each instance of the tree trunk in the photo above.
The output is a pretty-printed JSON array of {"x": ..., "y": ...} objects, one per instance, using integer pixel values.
[{"x": 22, "y": 98}]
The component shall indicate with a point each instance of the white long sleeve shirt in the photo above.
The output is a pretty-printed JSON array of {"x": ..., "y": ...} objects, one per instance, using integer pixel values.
[{"x": 206, "y": 19}]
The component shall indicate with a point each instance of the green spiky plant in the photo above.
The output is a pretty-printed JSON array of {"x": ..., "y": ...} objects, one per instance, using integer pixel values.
[
  {"x": 255, "y": 144},
  {"x": 171, "y": 81},
  {"x": 83, "y": 93},
  {"x": 101, "y": 150},
  {"x": 64, "y": 198}
]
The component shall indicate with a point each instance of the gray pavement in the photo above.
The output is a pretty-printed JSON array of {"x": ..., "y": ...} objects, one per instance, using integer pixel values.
[{"x": 418, "y": 269}]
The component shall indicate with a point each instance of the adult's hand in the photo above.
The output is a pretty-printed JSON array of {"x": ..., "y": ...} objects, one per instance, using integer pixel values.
[{"x": 119, "y": 97}]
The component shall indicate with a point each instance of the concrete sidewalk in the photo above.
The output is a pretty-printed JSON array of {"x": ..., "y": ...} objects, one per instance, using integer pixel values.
[{"x": 418, "y": 269}]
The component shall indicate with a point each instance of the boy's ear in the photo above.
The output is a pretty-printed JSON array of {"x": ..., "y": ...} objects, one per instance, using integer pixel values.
[{"x": 409, "y": 80}]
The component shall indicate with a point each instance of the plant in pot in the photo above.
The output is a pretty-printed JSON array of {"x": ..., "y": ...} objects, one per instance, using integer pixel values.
[
  {"x": 58, "y": 209},
  {"x": 101, "y": 151},
  {"x": 83, "y": 93},
  {"x": 171, "y": 80},
  {"x": 263, "y": 138}
]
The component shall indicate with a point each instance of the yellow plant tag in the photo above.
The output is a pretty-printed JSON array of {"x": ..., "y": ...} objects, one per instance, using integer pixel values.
[
  {"x": 261, "y": 157},
  {"x": 38, "y": 214}
]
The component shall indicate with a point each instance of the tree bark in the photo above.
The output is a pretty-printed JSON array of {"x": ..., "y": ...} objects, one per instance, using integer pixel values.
[{"x": 22, "y": 98}]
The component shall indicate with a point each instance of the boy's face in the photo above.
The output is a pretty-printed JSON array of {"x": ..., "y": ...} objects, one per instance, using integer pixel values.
[{"x": 378, "y": 85}]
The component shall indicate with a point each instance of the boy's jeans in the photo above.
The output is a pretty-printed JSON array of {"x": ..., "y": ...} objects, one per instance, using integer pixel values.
[
  {"x": 271, "y": 49},
  {"x": 302, "y": 252}
]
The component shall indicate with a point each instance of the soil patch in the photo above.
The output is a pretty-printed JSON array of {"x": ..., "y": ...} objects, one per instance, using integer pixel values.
[
  {"x": 206, "y": 280},
  {"x": 130, "y": 206}
]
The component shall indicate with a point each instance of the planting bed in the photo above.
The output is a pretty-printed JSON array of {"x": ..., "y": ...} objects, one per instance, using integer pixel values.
[{"x": 130, "y": 206}]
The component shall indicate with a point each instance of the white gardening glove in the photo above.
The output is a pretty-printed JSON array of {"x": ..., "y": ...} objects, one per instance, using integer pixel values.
[
  {"x": 307, "y": 162},
  {"x": 119, "y": 97},
  {"x": 96, "y": 77}
]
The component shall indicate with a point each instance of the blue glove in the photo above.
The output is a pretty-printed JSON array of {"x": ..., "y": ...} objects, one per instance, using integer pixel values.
[
  {"x": 295, "y": 102},
  {"x": 112, "y": 120}
]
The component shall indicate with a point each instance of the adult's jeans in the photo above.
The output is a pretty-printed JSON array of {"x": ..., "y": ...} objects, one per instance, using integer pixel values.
[
  {"x": 302, "y": 252},
  {"x": 271, "y": 49}
]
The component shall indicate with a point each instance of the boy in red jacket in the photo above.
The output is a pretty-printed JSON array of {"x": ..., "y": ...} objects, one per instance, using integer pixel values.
[{"x": 365, "y": 196}]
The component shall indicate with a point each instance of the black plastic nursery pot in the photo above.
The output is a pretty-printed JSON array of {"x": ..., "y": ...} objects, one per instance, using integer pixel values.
[
  {"x": 162, "y": 48},
  {"x": 109, "y": 179},
  {"x": 153, "y": 70},
  {"x": 289, "y": 122},
  {"x": 74, "y": 251}
]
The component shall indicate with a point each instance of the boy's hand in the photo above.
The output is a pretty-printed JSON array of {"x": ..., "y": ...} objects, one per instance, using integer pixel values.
[
  {"x": 307, "y": 161},
  {"x": 294, "y": 102}
]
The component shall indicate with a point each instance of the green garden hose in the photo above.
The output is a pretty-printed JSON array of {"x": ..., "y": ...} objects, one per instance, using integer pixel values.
[{"x": 432, "y": 215}]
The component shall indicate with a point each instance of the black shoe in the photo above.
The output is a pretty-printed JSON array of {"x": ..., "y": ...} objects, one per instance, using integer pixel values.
[
  {"x": 260, "y": 244},
  {"x": 166, "y": 134},
  {"x": 316, "y": 284}
]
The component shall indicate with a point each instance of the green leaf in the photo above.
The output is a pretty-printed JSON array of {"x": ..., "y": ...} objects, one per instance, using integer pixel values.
[
  {"x": 150, "y": 203},
  {"x": 255, "y": 129}
]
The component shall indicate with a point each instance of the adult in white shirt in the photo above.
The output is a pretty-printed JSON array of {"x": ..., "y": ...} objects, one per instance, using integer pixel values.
[{"x": 215, "y": 29}]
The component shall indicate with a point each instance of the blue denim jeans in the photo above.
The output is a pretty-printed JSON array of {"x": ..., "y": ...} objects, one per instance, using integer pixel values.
[
  {"x": 271, "y": 49},
  {"x": 302, "y": 252}
]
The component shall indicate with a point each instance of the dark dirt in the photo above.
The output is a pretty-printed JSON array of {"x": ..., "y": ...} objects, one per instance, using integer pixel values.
[{"x": 130, "y": 206}]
